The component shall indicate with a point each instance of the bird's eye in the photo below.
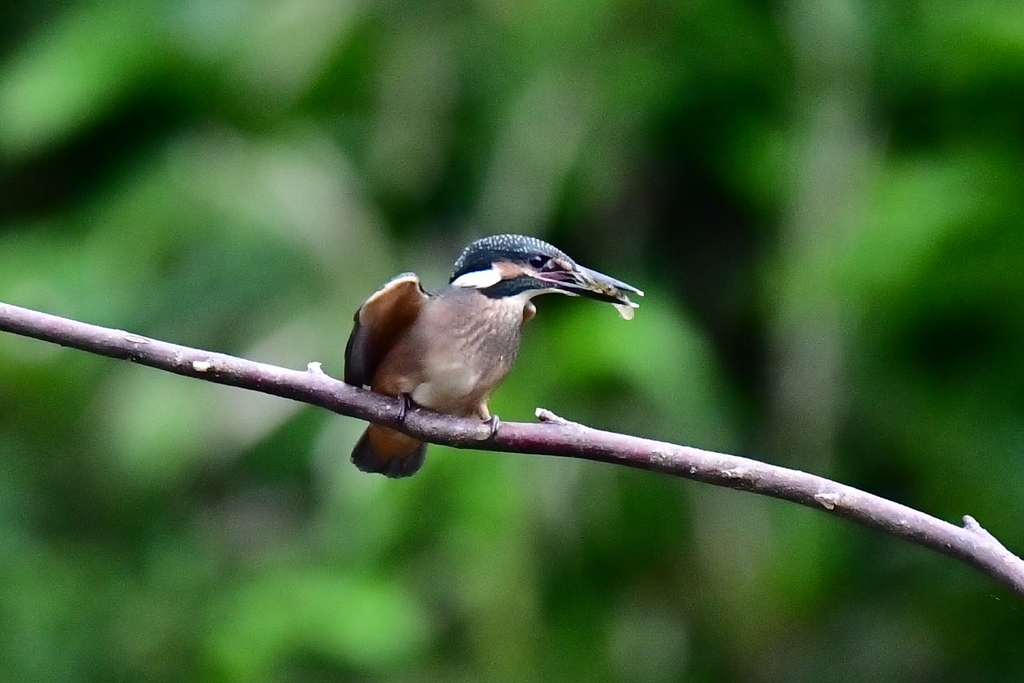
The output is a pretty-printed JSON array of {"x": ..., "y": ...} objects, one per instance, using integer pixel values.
[{"x": 538, "y": 261}]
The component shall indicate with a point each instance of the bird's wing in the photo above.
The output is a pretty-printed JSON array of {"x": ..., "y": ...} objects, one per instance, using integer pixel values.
[{"x": 379, "y": 322}]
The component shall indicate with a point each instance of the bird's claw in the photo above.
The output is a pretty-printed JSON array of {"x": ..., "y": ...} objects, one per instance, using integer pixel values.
[
  {"x": 492, "y": 422},
  {"x": 406, "y": 400}
]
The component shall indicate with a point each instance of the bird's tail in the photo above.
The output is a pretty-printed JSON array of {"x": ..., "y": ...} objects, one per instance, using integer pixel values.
[{"x": 388, "y": 452}]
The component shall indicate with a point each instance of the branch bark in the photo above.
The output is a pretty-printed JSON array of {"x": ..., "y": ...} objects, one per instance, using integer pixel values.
[{"x": 970, "y": 543}]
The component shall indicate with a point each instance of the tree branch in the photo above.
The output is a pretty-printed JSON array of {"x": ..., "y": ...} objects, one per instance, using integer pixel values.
[{"x": 553, "y": 436}]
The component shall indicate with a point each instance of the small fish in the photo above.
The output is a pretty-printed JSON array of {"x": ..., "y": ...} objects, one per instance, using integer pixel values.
[{"x": 613, "y": 291}]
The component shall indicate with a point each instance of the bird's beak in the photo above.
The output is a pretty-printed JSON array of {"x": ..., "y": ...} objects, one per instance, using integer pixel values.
[{"x": 580, "y": 281}]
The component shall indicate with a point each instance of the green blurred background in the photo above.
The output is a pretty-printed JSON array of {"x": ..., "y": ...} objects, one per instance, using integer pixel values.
[{"x": 822, "y": 199}]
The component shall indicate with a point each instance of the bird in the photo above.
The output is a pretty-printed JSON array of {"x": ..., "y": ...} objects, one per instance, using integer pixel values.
[{"x": 448, "y": 350}]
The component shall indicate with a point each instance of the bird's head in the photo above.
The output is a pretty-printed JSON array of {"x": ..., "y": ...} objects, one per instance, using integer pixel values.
[{"x": 520, "y": 266}]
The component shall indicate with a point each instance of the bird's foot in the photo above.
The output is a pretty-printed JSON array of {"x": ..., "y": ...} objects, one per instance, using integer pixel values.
[
  {"x": 406, "y": 400},
  {"x": 492, "y": 422}
]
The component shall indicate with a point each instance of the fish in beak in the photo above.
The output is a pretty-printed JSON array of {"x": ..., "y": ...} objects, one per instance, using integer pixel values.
[{"x": 576, "y": 280}]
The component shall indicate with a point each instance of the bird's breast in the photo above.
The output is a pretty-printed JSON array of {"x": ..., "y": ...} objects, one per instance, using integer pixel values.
[{"x": 466, "y": 344}]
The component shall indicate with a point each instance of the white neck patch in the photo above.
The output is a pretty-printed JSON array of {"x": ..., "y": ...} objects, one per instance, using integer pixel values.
[{"x": 480, "y": 279}]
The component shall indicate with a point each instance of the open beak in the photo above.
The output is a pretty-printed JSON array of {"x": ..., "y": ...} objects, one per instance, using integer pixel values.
[{"x": 580, "y": 281}]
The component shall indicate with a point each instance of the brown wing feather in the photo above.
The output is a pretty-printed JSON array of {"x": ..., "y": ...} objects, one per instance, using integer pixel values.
[{"x": 378, "y": 324}]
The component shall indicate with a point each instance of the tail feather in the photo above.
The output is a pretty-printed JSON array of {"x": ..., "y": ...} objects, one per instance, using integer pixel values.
[{"x": 384, "y": 451}]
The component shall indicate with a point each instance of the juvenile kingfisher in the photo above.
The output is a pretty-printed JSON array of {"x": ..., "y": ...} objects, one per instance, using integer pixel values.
[{"x": 450, "y": 349}]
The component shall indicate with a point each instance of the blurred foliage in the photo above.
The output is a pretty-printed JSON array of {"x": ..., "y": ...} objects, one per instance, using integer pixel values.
[{"x": 822, "y": 200}]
